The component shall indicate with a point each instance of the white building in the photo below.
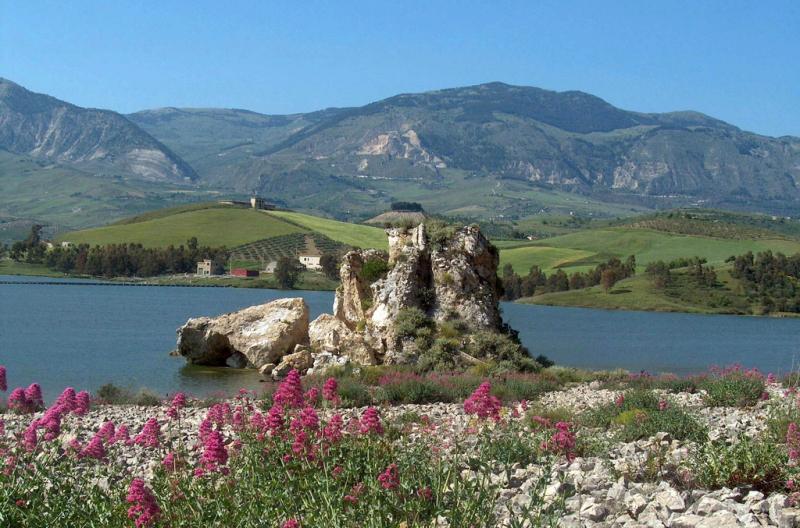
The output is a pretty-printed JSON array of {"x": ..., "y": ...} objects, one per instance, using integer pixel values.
[
  {"x": 204, "y": 268},
  {"x": 311, "y": 262}
]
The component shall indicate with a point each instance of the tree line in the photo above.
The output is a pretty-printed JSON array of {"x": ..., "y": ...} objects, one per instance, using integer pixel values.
[
  {"x": 660, "y": 272},
  {"x": 536, "y": 281},
  {"x": 772, "y": 279},
  {"x": 118, "y": 260}
]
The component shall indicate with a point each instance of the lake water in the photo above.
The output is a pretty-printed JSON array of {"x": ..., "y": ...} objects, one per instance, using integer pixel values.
[{"x": 84, "y": 336}]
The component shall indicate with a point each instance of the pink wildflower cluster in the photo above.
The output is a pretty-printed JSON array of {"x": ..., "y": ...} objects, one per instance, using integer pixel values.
[
  {"x": 330, "y": 391},
  {"x": 144, "y": 509},
  {"x": 562, "y": 442},
  {"x": 793, "y": 442},
  {"x": 3, "y": 381},
  {"x": 150, "y": 435},
  {"x": 215, "y": 455},
  {"x": 483, "y": 404},
  {"x": 371, "y": 422},
  {"x": 178, "y": 403},
  {"x": 290, "y": 391},
  {"x": 26, "y": 401},
  {"x": 390, "y": 478}
]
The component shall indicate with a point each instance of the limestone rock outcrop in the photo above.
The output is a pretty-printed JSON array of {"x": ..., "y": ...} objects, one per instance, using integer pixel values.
[
  {"x": 451, "y": 277},
  {"x": 262, "y": 334},
  {"x": 447, "y": 275}
]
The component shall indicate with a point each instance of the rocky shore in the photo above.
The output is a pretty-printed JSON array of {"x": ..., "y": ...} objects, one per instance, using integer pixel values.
[{"x": 613, "y": 488}]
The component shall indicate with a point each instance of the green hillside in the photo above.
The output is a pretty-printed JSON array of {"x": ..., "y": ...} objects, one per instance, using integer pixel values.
[
  {"x": 583, "y": 249},
  {"x": 639, "y": 293},
  {"x": 351, "y": 234},
  {"x": 217, "y": 226}
]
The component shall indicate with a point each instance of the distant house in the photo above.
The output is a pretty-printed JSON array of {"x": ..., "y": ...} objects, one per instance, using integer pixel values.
[
  {"x": 204, "y": 268},
  {"x": 241, "y": 272},
  {"x": 270, "y": 267},
  {"x": 310, "y": 261}
]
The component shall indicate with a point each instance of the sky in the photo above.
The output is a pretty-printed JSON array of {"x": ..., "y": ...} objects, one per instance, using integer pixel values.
[{"x": 735, "y": 60}]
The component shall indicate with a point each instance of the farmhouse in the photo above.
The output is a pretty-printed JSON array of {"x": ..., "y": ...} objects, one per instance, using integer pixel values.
[
  {"x": 204, "y": 268},
  {"x": 310, "y": 261}
]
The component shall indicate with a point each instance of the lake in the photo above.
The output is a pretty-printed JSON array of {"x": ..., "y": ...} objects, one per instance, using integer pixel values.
[{"x": 84, "y": 336}]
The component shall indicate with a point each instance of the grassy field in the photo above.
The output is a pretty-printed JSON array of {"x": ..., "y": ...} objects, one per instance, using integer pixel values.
[
  {"x": 351, "y": 234},
  {"x": 589, "y": 247},
  {"x": 223, "y": 226},
  {"x": 219, "y": 225},
  {"x": 547, "y": 258},
  {"x": 9, "y": 267},
  {"x": 638, "y": 293}
]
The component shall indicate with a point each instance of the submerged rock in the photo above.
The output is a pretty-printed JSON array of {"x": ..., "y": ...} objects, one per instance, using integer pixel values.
[{"x": 262, "y": 334}]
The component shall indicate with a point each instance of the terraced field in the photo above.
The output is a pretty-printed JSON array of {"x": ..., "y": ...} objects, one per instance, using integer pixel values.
[{"x": 271, "y": 249}]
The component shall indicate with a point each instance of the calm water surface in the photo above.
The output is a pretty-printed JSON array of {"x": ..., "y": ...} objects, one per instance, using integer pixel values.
[{"x": 84, "y": 336}]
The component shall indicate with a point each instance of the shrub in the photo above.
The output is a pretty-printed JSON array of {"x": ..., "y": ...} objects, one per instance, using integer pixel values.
[
  {"x": 354, "y": 393},
  {"x": 748, "y": 462},
  {"x": 639, "y": 414},
  {"x": 113, "y": 395},
  {"x": 733, "y": 387},
  {"x": 409, "y": 321},
  {"x": 416, "y": 391},
  {"x": 374, "y": 269}
]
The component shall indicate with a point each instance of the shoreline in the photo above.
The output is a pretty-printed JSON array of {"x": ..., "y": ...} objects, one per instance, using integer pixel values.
[{"x": 608, "y": 481}]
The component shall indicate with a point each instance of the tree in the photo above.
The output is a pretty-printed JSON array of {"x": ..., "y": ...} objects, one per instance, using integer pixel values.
[
  {"x": 287, "y": 271},
  {"x": 512, "y": 284},
  {"x": 330, "y": 266},
  {"x": 608, "y": 279}
]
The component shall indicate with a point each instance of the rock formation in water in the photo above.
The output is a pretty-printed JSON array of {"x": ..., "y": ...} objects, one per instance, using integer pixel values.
[
  {"x": 446, "y": 276},
  {"x": 254, "y": 337}
]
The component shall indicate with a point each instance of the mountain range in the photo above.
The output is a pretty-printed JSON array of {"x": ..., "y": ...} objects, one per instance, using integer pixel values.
[{"x": 485, "y": 151}]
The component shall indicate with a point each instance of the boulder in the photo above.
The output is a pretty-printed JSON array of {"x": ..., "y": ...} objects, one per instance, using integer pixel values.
[
  {"x": 262, "y": 334},
  {"x": 300, "y": 360}
]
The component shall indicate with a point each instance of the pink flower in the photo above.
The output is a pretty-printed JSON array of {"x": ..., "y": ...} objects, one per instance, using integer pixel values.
[
  {"x": 290, "y": 391},
  {"x": 82, "y": 403},
  {"x": 144, "y": 508},
  {"x": 51, "y": 422},
  {"x": 371, "y": 422},
  {"x": 620, "y": 400},
  {"x": 214, "y": 452},
  {"x": 663, "y": 405},
  {"x": 309, "y": 418},
  {"x": 94, "y": 449},
  {"x": 122, "y": 435},
  {"x": 771, "y": 378},
  {"x": 793, "y": 441},
  {"x": 179, "y": 400},
  {"x": 219, "y": 414},
  {"x": 312, "y": 396},
  {"x": 330, "y": 390},
  {"x": 2, "y": 427},
  {"x": 425, "y": 493},
  {"x": 291, "y": 523},
  {"x": 483, "y": 404},
  {"x": 106, "y": 431},
  {"x": 34, "y": 396},
  {"x": 29, "y": 438},
  {"x": 562, "y": 442},
  {"x": 205, "y": 429},
  {"x": 390, "y": 478},
  {"x": 3, "y": 382},
  {"x": 170, "y": 463},
  {"x": 172, "y": 413},
  {"x": 150, "y": 435},
  {"x": 17, "y": 400},
  {"x": 67, "y": 399},
  {"x": 355, "y": 493},
  {"x": 333, "y": 430},
  {"x": 275, "y": 418}
]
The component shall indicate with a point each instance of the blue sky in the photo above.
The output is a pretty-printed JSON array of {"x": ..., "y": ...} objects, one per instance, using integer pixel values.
[{"x": 735, "y": 60}]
